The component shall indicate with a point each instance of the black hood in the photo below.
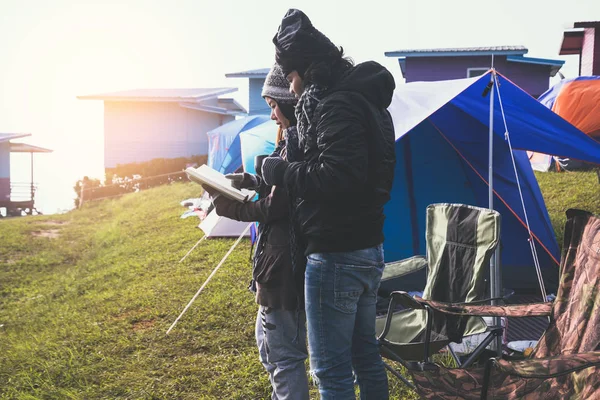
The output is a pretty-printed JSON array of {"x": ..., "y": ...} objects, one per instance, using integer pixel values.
[{"x": 370, "y": 79}]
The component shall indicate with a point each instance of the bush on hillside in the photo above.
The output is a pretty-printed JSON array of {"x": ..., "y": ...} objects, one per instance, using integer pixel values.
[{"x": 133, "y": 177}]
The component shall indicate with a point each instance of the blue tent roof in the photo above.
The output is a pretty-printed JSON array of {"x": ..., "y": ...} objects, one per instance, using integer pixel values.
[
  {"x": 224, "y": 154},
  {"x": 442, "y": 156},
  {"x": 257, "y": 141}
]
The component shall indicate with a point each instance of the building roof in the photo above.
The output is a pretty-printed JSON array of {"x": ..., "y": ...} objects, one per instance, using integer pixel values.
[
  {"x": 587, "y": 24},
  {"x": 555, "y": 65},
  {"x": 224, "y": 106},
  {"x": 253, "y": 73},
  {"x": 161, "y": 95},
  {"x": 459, "y": 51},
  {"x": 6, "y": 137},
  {"x": 572, "y": 42},
  {"x": 27, "y": 148},
  {"x": 232, "y": 105}
]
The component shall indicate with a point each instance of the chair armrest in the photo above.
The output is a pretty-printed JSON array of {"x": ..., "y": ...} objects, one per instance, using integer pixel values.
[
  {"x": 550, "y": 367},
  {"x": 398, "y": 297},
  {"x": 396, "y": 269},
  {"x": 406, "y": 300},
  {"x": 514, "y": 311},
  {"x": 409, "y": 302},
  {"x": 539, "y": 368}
]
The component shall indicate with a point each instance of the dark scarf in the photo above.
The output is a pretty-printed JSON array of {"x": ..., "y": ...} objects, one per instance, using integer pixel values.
[{"x": 305, "y": 114}]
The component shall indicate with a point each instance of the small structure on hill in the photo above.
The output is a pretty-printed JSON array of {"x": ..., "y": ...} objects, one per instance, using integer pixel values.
[{"x": 16, "y": 198}]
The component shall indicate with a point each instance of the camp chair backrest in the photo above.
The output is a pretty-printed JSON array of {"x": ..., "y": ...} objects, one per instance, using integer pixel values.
[
  {"x": 575, "y": 323},
  {"x": 460, "y": 242}
]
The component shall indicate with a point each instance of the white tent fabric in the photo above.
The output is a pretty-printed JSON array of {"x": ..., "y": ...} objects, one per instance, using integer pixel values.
[
  {"x": 540, "y": 161},
  {"x": 216, "y": 226},
  {"x": 413, "y": 103}
]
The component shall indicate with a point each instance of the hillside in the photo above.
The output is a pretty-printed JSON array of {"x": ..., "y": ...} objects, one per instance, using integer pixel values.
[{"x": 86, "y": 298}]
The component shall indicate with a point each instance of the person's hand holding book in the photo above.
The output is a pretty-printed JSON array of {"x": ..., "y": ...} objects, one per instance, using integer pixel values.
[
  {"x": 222, "y": 203},
  {"x": 244, "y": 181}
]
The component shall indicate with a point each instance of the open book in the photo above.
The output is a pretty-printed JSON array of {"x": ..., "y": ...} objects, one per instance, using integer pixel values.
[{"x": 205, "y": 175}]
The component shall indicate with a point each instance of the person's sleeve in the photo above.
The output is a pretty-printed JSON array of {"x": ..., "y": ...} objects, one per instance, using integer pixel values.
[{"x": 271, "y": 208}]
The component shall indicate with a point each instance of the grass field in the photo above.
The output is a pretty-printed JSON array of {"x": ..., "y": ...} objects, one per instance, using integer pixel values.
[{"x": 86, "y": 298}]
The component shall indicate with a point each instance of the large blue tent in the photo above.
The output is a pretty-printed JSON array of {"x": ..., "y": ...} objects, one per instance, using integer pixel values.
[
  {"x": 224, "y": 150},
  {"x": 442, "y": 131}
]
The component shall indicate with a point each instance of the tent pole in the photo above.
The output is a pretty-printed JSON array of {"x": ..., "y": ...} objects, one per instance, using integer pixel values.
[
  {"x": 495, "y": 276},
  {"x": 210, "y": 277},
  {"x": 192, "y": 249}
]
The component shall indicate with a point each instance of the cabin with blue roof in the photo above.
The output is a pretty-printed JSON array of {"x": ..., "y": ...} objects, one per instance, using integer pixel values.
[
  {"x": 531, "y": 74},
  {"x": 144, "y": 124},
  {"x": 16, "y": 198},
  {"x": 256, "y": 80}
]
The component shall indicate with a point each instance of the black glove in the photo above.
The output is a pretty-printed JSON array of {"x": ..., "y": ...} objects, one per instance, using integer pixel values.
[
  {"x": 223, "y": 205},
  {"x": 244, "y": 180},
  {"x": 273, "y": 170}
]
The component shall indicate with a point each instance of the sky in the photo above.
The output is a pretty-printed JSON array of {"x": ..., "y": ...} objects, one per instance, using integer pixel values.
[{"x": 54, "y": 51}]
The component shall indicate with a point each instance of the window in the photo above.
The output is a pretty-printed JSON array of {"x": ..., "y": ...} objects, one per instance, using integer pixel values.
[{"x": 473, "y": 72}]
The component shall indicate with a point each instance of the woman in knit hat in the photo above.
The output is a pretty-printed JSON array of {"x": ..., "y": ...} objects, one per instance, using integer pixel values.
[{"x": 279, "y": 262}]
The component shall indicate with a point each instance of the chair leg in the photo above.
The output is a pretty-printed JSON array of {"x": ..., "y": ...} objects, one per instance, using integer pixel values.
[
  {"x": 487, "y": 375},
  {"x": 399, "y": 376},
  {"x": 429, "y": 327},
  {"x": 477, "y": 352},
  {"x": 453, "y": 354}
]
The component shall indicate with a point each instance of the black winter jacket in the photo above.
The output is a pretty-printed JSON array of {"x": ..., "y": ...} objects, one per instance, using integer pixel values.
[
  {"x": 277, "y": 284},
  {"x": 345, "y": 180}
]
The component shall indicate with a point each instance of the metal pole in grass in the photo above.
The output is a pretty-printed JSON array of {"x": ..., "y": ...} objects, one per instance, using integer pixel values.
[
  {"x": 210, "y": 276},
  {"x": 192, "y": 249}
]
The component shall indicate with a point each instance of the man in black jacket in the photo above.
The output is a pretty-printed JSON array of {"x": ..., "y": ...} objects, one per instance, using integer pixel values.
[{"x": 343, "y": 184}]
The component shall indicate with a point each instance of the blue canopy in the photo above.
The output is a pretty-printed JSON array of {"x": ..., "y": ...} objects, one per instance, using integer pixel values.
[
  {"x": 442, "y": 157},
  {"x": 257, "y": 141},
  {"x": 224, "y": 151}
]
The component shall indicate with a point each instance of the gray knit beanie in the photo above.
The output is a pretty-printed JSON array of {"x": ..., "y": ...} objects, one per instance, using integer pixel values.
[{"x": 277, "y": 87}]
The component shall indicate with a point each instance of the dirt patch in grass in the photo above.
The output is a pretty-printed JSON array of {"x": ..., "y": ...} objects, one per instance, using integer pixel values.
[
  {"x": 58, "y": 223},
  {"x": 49, "y": 233},
  {"x": 143, "y": 325}
]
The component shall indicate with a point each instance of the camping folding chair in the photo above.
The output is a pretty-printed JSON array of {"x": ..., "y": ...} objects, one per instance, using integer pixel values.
[
  {"x": 565, "y": 364},
  {"x": 460, "y": 242}
]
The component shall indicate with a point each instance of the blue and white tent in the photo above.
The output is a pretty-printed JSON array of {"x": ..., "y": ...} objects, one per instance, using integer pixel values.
[
  {"x": 224, "y": 151},
  {"x": 442, "y": 131}
]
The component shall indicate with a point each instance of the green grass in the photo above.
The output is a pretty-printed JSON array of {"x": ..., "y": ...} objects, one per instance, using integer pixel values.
[
  {"x": 83, "y": 315},
  {"x": 566, "y": 190}
]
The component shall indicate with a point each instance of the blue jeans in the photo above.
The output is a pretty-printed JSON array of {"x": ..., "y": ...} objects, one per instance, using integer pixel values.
[
  {"x": 281, "y": 340},
  {"x": 341, "y": 292}
]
